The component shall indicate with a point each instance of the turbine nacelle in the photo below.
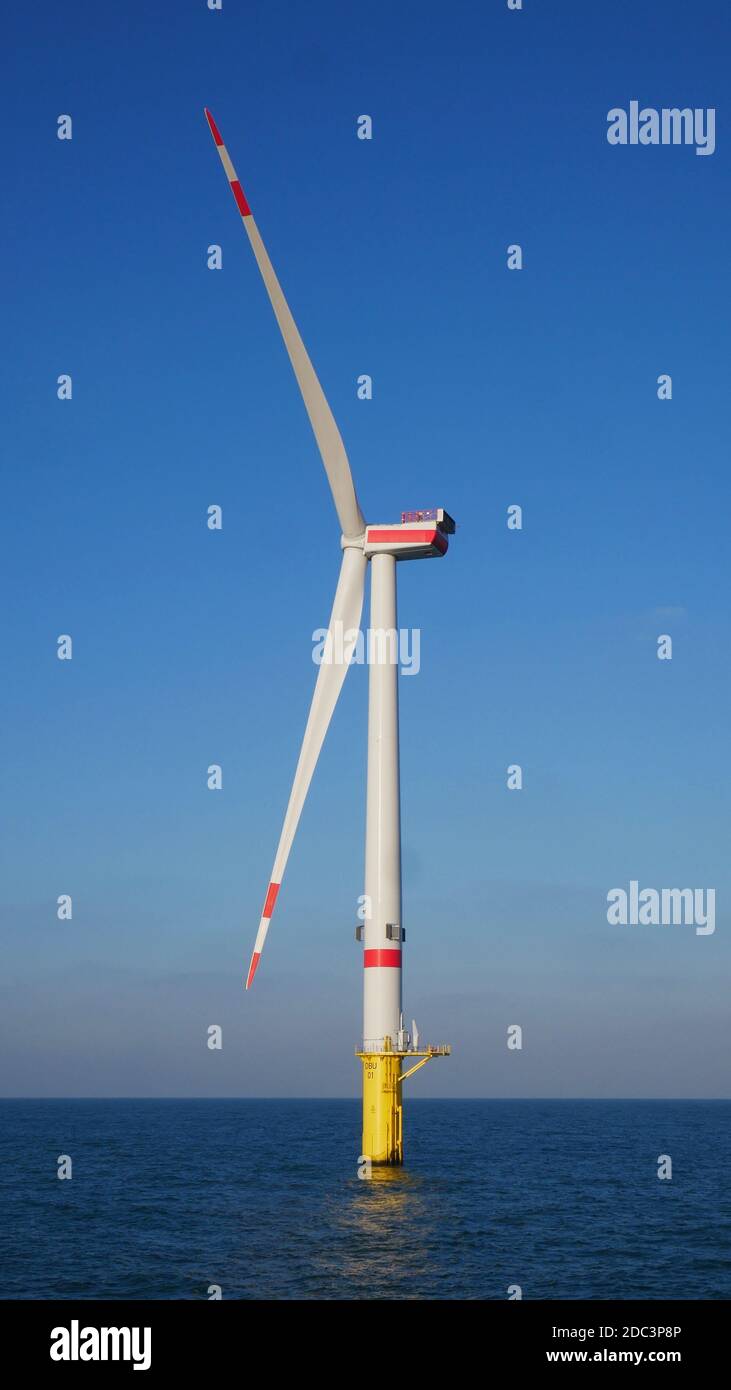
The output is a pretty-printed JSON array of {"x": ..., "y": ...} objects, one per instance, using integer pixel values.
[{"x": 416, "y": 537}]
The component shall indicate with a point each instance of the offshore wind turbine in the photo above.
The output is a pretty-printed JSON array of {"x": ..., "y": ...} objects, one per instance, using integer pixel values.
[{"x": 386, "y": 1044}]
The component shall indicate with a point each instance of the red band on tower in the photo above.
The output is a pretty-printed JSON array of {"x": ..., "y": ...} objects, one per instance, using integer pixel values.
[{"x": 381, "y": 957}]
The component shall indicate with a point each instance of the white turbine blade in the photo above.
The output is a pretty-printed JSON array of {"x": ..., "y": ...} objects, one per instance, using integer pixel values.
[
  {"x": 323, "y": 424},
  {"x": 343, "y": 634}
]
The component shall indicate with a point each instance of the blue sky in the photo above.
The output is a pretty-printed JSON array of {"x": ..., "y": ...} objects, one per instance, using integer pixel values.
[{"x": 491, "y": 388}]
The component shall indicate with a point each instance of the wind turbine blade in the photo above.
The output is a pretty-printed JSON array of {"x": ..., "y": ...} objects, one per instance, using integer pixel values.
[
  {"x": 323, "y": 424},
  {"x": 342, "y": 636}
]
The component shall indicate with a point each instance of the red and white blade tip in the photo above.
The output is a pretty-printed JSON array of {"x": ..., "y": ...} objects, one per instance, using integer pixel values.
[
  {"x": 261, "y": 935},
  {"x": 256, "y": 957},
  {"x": 215, "y": 132},
  {"x": 236, "y": 188}
]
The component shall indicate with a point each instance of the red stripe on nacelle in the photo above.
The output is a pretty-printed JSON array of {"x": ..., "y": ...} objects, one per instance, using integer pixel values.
[
  {"x": 238, "y": 193},
  {"x": 271, "y": 898},
  {"x": 380, "y": 957},
  {"x": 213, "y": 127},
  {"x": 379, "y": 536}
]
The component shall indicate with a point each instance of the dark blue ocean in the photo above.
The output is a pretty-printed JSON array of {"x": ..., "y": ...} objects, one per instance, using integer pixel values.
[{"x": 262, "y": 1198}]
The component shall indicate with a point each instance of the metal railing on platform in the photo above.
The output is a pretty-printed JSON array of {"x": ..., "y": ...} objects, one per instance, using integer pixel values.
[{"x": 385, "y": 1046}]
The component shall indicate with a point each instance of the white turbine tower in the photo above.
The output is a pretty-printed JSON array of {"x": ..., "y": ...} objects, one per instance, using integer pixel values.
[{"x": 419, "y": 534}]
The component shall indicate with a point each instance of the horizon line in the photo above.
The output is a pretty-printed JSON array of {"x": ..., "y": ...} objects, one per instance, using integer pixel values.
[{"x": 412, "y": 1099}]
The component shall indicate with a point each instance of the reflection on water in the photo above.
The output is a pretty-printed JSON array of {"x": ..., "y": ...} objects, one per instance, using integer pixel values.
[{"x": 383, "y": 1233}]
